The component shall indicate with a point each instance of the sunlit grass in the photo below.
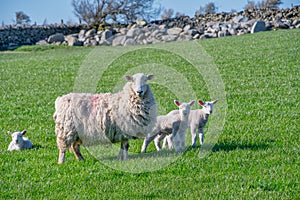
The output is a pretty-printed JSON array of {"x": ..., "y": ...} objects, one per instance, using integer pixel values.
[{"x": 256, "y": 156}]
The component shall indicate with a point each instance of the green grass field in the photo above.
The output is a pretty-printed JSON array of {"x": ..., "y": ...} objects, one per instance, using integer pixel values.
[{"x": 257, "y": 155}]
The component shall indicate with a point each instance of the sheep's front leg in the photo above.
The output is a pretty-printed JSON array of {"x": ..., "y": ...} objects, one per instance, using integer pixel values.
[
  {"x": 201, "y": 133},
  {"x": 62, "y": 146},
  {"x": 194, "y": 136},
  {"x": 123, "y": 153}
]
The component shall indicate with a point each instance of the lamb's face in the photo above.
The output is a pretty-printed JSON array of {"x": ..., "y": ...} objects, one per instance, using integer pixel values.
[
  {"x": 139, "y": 83},
  {"x": 184, "y": 108},
  {"x": 17, "y": 137},
  {"x": 207, "y": 107}
]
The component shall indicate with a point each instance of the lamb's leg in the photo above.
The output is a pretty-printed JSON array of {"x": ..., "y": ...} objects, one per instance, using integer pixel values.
[
  {"x": 168, "y": 142},
  {"x": 201, "y": 133},
  {"x": 177, "y": 142},
  {"x": 157, "y": 141},
  {"x": 182, "y": 141},
  {"x": 75, "y": 147},
  {"x": 123, "y": 150},
  {"x": 146, "y": 142},
  {"x": 194, "y": 136}
]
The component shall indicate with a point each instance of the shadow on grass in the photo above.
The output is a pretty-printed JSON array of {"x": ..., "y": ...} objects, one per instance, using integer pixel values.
[
  {"x": 37, "y": 146},
  {"x": 153, "y": 154},
  {"x": 234, "y": 146}
]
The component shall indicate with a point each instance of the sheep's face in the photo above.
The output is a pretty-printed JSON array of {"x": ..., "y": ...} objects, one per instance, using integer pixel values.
[
  {"x": 139, "y": 83},
  {"x": 184, "y": 108},
  {"x": 17, "y": 137},
  {"x": 207, "y": 107}
]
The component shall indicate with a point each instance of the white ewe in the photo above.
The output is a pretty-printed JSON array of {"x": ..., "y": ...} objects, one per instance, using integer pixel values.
[
  {"x": 171, "y": 123},
  {"x": 91, "y": 119},
  {"x": 19, "y": 142}
]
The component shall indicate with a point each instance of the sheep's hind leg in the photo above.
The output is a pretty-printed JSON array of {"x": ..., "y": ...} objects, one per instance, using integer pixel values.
[
  {"x": 123, "y": 153},
  {"x": 75, "y": 147}
]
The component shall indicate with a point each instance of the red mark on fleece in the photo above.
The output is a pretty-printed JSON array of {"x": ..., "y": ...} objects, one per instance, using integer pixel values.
[{"x": 94, "y": 99}]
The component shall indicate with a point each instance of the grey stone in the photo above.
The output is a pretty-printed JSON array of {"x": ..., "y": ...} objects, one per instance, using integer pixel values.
[
  {"x": 133, "y": 32},
  {"x": 42, "y": 42},
  {"x": 58, "y": 37},
  {"x": 174, "y": 31},
  {"x": 119, "y": 40},
  {"x": 106, "y": 35},
  {"x": 90, "y": 33},
  {"x": 169, "y": 38},
  {"x": 258, "y": 26},
  {"x": 130, "y": 42}
]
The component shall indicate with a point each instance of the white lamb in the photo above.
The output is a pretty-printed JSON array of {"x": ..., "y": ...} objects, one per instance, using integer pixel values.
[
  {"x": 175, "y": 123},
  {"x": 92, "y": 119},
  {"x": 19, "y": 142},
  {"x": 197, "y": 121}
]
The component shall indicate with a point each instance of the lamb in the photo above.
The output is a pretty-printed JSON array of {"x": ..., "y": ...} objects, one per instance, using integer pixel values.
[
  {"x": 197, "y": 121},
  {"x": 92, "y": 119},
  {"x": 19, "y": 142},
  {"x": 175, "y": 122}
]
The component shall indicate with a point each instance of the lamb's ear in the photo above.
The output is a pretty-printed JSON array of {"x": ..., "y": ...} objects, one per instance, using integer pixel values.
[
  {"x": 128, "y": 78},
  {"x": 150, "y": 77},
  {"x": 214, "y": 101},
  {"x": 192, "y": 102},
  {"x": 177, "y": 103},
  {"x": 9, "y": 133},
  {"x": 23, "y": 132},
  {"x": 201, "y": 103}
]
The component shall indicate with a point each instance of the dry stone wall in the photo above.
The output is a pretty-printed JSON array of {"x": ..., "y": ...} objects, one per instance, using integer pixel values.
[{"x": 175, "y": 29}]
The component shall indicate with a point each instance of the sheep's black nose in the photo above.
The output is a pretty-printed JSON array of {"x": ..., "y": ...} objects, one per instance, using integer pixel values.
[{"x": 140, "y": 92}]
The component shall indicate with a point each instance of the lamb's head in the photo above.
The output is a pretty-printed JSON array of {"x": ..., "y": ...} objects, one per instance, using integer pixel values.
[
  {"x": 17, "y": 137},
  {"x": 184, "y": 108},
  {"x": 207, "y": 107},
  {"x": 139, "y": 83}
]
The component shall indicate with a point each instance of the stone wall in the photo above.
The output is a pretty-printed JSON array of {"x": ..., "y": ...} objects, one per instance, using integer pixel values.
[
  {"x": 12, "y": 36},
  {"x": 175, "y": 29}
]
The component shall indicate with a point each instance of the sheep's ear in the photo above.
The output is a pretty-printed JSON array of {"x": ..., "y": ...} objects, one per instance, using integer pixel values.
[
  {"x": 192, "y": 102},
  {"x": 201, "y": 103},
  {"x": 9, "y": 133},
  {"x": 128, "y": 78},
  {"x": 177, "y": 103},
  {"x": 150, "y": 77},
  {"x": 23, "y": 132},
  {"x": 215, "y": 101}
]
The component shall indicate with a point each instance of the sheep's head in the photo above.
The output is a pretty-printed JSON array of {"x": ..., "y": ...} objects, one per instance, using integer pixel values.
[
  {"x": 17, "y": 137},
  {"x": 139, "y": 83},
  {"x": 207, "y": 107},
  {"x": 184, "y": 108}
]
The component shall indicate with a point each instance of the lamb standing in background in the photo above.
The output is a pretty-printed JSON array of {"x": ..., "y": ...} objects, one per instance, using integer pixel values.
[
  {"x": 92, "y": 119},
  {"x": 19, "y": 142},
  {"x": 171, "y": 123},
  {"x": 198, "y": 119}
]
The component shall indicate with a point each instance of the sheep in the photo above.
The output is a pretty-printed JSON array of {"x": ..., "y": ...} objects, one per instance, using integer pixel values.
[
  {"x": 197, "y": 121},
  {"x": 105, "y": 118},
  {"x": 175, "y": 122},
  {"x": 19, "y": 142}
]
